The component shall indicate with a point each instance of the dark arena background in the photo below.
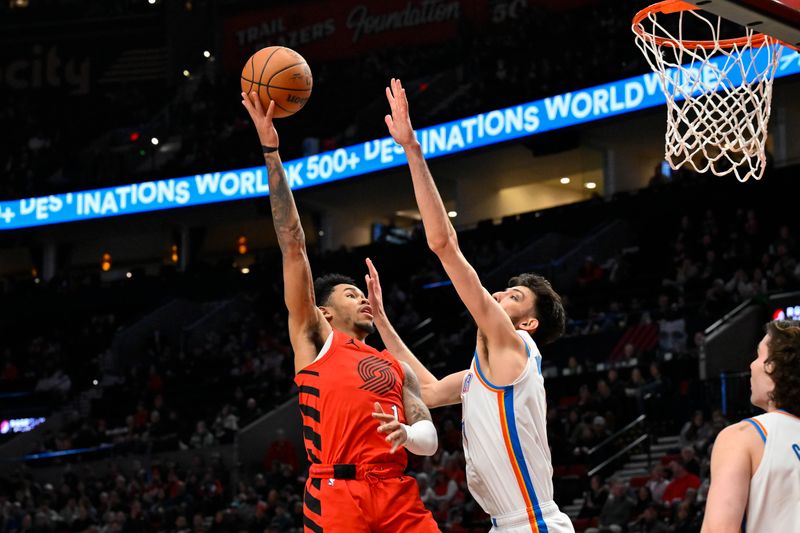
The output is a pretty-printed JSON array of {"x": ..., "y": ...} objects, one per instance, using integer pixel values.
[{"x": 146, "y": 377}]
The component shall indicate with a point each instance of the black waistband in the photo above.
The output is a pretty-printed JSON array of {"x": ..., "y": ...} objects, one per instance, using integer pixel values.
[{"x": 344, "y": 471}]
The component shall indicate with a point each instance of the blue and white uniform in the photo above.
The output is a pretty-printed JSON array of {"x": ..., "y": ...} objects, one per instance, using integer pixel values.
[
  {"x": 509, "y": 471},
  {"x": 774, "y": 500}
]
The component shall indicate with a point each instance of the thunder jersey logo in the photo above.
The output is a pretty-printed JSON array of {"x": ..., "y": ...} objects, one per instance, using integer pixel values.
[{"x": 377, "y": 375}]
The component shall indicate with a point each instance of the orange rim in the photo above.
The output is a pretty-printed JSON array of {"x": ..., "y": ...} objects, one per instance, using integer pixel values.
[{"x": 667, "y": 7}]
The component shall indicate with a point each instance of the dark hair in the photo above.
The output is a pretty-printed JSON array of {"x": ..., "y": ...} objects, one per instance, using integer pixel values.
[
  {"x": 323, "y": 286},
  {"x": 549, "y": 309},
  {"x": 783, "y": 362}
]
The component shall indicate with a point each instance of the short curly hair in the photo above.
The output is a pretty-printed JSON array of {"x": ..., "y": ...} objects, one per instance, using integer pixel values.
[
  {"x": 783, "y": 364},
  {"x": 324, "y": 285}
]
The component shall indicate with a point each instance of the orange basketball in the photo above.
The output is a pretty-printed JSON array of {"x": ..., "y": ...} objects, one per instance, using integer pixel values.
[{"x": 281, "y": 74}]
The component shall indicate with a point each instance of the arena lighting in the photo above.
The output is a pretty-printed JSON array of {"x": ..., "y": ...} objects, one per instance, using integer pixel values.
[
  {"x": 501, "y": 125},
  {"x": 590, "y": 185},
  {"x": 128, "y": 275},
  {"x": 245, "y": 270},
  {"x": 151, "y": 2},
  {"x": 206, "y": 54},
  {"x": 452, "y": 214},
  {"x": 173, "y": 255},
  {"x": 94, "y": 382},
  {"x": 154, "y": 141},
  {"x": 565, "y": 181},
  {"x": 186, "y": 73},
  {"x": 19, "y": 425},
  {"x": 105, "y": 265},
  {"x": 134, "y": 136},
  {"x": 241, "y": 245}
]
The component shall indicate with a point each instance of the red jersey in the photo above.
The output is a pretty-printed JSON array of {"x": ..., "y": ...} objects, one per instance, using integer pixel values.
[{"x": 338, "y": 392}]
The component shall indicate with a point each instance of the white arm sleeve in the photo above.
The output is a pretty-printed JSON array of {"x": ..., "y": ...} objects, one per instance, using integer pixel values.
[{"x": 421, "y": 438}]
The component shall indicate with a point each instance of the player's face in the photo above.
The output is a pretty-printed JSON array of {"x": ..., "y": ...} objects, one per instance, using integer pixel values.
[
  {"x": 760, "y": 383},
  {"x": 519, "y": 304},
  {"x": 351, "y": 310}
]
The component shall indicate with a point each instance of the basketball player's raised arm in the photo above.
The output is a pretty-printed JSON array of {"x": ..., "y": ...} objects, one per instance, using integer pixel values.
[
  {"x": 307, "y": 327},
  {"x": 731, "y": 470},
  {"x": 493, "y": 322},
  {"x": 434, "y": 392}
]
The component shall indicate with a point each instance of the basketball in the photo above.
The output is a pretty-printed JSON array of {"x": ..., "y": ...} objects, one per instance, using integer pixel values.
[{"x": 281, "y": 74}]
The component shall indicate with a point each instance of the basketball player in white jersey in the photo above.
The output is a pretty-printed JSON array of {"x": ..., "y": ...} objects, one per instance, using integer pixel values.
[
  {"x": 504, "y": 431},
  {"x": 755, "y": 464}
]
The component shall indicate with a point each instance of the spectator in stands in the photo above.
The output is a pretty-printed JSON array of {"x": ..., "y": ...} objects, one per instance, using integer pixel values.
[
  {"x": 657, "y": 482},
  {"x": 226, "y": 424},
  {"x": 10, "y": 371},
  {"x": 686, "y": 519},
  {"x": 696, "y": 432},
  {"x": 590, "y": 273},
  {"x": 689, "y": 460},
  {"x": 201, "y": 438},
  {"x": 607, "y": 403},
  {"x": 682, "y": 481},
  {"x": 649, "y": 522},
  {"x": 56, "y": 382},
  {"x": 644, "y": 499},
  {"x": 594, "y": 498},
  {"x": 426, "y": 492},
  {"x": 617, "y": 510},
  {"x": 282, "y": 451},
  {"x": 251, "y": 412},
  {"x": 574, "y": 368}
]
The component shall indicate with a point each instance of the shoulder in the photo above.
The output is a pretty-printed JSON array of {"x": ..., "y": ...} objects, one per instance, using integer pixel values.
[{"x": 740, "y": 437}]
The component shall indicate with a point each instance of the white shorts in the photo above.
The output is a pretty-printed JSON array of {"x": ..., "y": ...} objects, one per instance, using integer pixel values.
[{"x": 518, "y": 521}]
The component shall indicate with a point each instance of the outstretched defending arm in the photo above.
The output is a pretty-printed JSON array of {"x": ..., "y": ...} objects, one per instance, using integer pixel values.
[
  {"x": 493, "y": 322},
  {"x": 307, "y": 327},
  {"x": 435, "y": 392}
]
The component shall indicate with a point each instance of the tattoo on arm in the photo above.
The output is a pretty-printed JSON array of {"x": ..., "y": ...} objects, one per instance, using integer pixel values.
[
  {"x": 284, "y": 211},
  {"x": 415, "y": 408}
]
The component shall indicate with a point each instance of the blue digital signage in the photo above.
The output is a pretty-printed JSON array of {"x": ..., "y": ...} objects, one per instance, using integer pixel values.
[{"x": 547, "y": 114}]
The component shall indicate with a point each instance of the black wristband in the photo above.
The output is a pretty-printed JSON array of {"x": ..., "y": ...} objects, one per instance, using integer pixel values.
[{"x": 269, "y": 149}]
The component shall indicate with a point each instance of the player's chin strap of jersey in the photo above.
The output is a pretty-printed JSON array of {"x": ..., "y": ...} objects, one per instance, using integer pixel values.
[{"x": 421, "y": 438}]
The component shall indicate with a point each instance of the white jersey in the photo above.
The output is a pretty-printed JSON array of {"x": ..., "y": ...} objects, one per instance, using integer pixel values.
[
  {"x": 509, "y": 472},
  {"x": 774, "y": 500}
]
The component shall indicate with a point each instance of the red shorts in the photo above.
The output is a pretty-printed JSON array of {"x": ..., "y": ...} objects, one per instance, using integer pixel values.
[{"x": 379, "y": 498}]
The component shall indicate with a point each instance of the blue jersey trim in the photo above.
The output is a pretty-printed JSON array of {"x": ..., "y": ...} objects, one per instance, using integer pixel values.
[
  {"x": 508, "y": 399},
  {"x": 758, "y": 428}
]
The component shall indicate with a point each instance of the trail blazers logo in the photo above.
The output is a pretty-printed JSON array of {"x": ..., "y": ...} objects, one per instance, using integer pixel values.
[{"x": 377, "y": 375}]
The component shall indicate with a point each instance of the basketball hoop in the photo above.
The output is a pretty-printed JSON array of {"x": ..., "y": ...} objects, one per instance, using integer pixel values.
[{"x": 719, "y": 91}]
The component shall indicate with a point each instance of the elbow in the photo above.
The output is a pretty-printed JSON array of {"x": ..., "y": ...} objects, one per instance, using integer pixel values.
[
  {"x": 292, "y": 241},
  {"x": 428, "y": 397},
  {"x": 444, "y": 244}
]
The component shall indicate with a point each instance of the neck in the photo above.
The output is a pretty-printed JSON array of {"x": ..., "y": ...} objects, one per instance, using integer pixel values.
[{"x": 356, "y": 333}]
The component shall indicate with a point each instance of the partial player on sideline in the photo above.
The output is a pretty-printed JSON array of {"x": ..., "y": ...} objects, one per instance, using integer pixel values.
[
  {"x": 509, "y": 471},
  {"x": 755, "y": 464},
  {"x": 356, "y": 481}
]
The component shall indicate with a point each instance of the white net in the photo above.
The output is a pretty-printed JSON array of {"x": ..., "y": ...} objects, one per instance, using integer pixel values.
[{"x": 719, "y": 91}]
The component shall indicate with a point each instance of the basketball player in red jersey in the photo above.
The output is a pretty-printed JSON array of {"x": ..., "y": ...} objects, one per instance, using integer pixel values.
[{"x": 347, "y": 388}]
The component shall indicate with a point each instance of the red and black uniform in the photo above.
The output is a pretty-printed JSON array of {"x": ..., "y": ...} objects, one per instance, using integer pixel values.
[{"x": 355, "y": 484}]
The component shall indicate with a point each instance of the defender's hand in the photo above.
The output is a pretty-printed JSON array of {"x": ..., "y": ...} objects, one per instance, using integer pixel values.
[
  {"x": 397, "y": 435},
  {"x": 267, "y": 133},
  {"x": 399, "y": 122},
  {"x": 374, "y": 291}
]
